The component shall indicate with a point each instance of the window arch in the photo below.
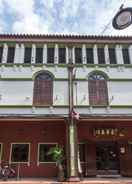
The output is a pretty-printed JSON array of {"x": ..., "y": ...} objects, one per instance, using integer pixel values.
[
  {"x": 43, "y": 89},
  {"x": 98, "y": 93}
]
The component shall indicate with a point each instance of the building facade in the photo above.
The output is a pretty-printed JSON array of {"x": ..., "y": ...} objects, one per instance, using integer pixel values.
[{"x": 72, "y": 91}]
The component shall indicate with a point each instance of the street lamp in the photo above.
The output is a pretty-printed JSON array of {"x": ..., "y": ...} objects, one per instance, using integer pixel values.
[{"x": 123, "y": 18}]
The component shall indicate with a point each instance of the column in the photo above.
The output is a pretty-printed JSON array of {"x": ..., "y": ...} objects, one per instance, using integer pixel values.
[
  {"x": 67, "y": 54},
  {"x": 106, "y": 53},
  {"x": 119, "y": 55},
  {"x": 5, "y": 52},
  {"x": 45, "y": 53},
  {"x": 22, "y": 51},
  {"x": 130, "y": 53},
  {"x": 56, "y": 57},
  {"x": 73, "y": 55},
  {"x": 33, "y": 54},
  {"x": 95, "y": 54},
  {"x": 17, "y": 54},
  {"x": 84, "y": 54}
]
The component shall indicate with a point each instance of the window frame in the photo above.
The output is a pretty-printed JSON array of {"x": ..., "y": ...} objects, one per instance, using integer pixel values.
[
  {"x": 92, "y": 101},
  {"x": 37, "y": 103},
  {"x": 29, "y": 153},
  {"x": 45, "y": 143}
]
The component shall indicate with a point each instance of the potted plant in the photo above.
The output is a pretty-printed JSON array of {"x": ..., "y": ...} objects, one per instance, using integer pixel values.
[{"x": 57, "y": 153}]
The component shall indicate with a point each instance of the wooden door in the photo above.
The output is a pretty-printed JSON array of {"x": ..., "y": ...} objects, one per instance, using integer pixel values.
[
  {"x": 125, "y": 149},
  {"x": 90, "y": 159}
]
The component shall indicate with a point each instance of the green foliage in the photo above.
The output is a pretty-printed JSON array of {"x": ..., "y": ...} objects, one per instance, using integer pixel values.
[{"x": 57, "y": 154}]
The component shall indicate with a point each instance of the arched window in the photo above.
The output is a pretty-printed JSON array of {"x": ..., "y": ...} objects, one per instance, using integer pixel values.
[
  {"x": 98, "y": 94},
  {"x": 43, "y": 89}
]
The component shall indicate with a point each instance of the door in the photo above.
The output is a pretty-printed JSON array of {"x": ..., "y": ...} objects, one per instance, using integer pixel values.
[
  {"x": 88, "y": 158},
  {"x": 107, "y": 159}
]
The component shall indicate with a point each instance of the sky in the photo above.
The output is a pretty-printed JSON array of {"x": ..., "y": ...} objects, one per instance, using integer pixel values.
[{"x": 84, "y": 17}]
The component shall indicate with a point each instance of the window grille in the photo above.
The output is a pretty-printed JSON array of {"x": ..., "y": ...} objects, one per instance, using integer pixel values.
[
  {"x": 10, "y": 54},
  {"x": 112, "y": 56},
  {"x": 50, "y": 55},
  {"x": 89, "y": 54},
  {"x": 125, "y": 54},
  {"x": 78, "y": 55},
  {"x": 101, "y": 56},
  {"x": 62, "y": 55},
  {"x": 27, "y": 55},
  {"x": 39, "y": 55}
]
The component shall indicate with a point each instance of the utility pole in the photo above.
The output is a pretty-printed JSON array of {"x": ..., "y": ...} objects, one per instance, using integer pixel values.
[{"x": 72, "y": 129}]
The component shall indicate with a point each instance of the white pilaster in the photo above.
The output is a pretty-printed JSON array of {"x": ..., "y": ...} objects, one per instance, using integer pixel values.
[
  {"x": 33, "y": 54},
  {"x": 95, "y": 54},
  {"x": 17, "y": 54},
  {"x": 4, "y": 55},
  {"x": 45, "y": 53},
  {"x": 22, "y": 51},
  {"x": 56, "y": 57},
  {"x": 119, "y": 55},
  {"x": 106, "y": 53},
  {"x": 67, "y": 55},
  {"x": 130, "y": 53},
  {"x": 84, "y": 54},
  {"x": 73, "y": 54}
]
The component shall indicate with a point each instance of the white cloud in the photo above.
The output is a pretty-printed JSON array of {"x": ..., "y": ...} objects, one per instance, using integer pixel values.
[
  {"x": 60, "y": 16},
  {"x": 26, "y": 20}
]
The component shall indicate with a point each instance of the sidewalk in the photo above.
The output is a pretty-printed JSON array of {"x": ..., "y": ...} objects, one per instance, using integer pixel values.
[{"x": 84, "y": 181}]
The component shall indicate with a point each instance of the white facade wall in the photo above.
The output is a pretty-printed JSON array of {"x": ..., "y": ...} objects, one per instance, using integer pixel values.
[{"x": 17, "y": 81}]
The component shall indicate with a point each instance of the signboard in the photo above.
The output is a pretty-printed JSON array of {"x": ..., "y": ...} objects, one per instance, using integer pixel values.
[{"x": 122, "y": 19}]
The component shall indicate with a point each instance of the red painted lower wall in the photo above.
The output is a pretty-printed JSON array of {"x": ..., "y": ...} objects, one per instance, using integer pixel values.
[{"x": 33, "y": 133}]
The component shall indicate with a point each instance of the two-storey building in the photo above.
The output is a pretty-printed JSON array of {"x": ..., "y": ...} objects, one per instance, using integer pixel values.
[{"x": 45, "y": 81}]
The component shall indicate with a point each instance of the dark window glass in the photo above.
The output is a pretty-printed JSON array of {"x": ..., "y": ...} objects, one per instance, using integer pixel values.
[
  {"x": 89, "y": 54},
  {"x": 1, "y": 53},
  {"x": 27, "y": 55},
  {"x": 126, "y": 56},
  {"x": 39, "y": 55},
  {"x": 98, "y": 94},
  {"x": 43, "y": 153},
  {"x": 50, "y": 55},
  {"x": 20, "y": 153},
  {"x": 101, "y": 56},
  {"x": 78, "y": 55},
  {"x": 112, "y": 56},
  {"x": 43, "y": 89},
  {"x": 62, "y": 55},
  {"x": 10, "y": 55}
]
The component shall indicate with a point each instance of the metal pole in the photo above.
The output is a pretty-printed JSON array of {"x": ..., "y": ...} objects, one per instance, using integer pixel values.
[{"x": 72, "y": 126}]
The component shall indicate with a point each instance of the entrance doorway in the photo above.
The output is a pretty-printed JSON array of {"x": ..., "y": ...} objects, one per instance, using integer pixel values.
[{"x": 107, "y": 159}]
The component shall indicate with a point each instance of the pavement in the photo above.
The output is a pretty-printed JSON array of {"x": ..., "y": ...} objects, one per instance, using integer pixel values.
[{"x": 120, "y": 180}]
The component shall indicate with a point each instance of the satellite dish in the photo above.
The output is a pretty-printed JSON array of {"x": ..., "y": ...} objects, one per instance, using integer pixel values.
[{"x": 122, "y": 19}]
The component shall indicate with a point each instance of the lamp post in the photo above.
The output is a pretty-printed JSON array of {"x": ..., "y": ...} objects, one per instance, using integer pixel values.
[
  {"x": 72, "y": 132},
  {"x": 123, "y": 18}
]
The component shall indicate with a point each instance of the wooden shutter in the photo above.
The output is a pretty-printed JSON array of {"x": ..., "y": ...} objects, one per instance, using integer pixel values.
[
  {"x": 98, "y": 94},
  {"x": 43, "y": 90}
]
